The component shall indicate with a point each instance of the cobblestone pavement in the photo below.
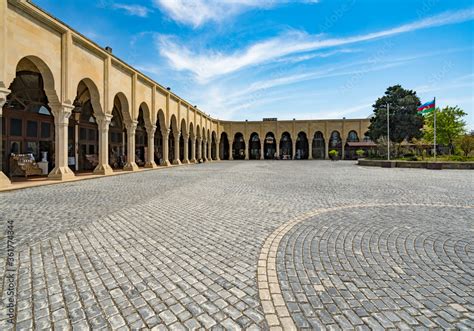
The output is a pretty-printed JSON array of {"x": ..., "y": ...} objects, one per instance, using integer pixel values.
[
  {"x": 379, "y": 268},
  {"x": 178, "y": 248}
]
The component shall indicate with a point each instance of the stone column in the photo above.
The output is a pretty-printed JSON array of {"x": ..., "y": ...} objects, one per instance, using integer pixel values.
[
  {"x": 193, "y": 149},
  {"x": 310, "y": 149},
  {"x": 199, "y": 148},
  {"x": 246, "y": 151},
  {"x": 204, "y": 151},
  {"x": 186, "y": 149},
  {"x": 343, "y": 156},
  {"x": 278, "y": 148},
  {"x": 61, "y": 113},
  {"x": 131, "y": 128},
  {"x": 231, "y": 157},
  {"x": 103, "y": 122},
  {"x": 165, "y": 134},
  {"x": 209, "y": 150},
  {"x": 262, "y": 152},
  {"x": 293, "y": 149},
  {"x": 4, "y": 180},
  {"x": 176, "y": 135},
  {"x": 326, "y": 150},
  {"x": 218, "y": 150},
  {"x": 150, "y": 131}
]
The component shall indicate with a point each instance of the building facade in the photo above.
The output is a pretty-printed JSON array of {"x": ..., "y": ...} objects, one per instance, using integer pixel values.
[{"x": 71, "y": 106}]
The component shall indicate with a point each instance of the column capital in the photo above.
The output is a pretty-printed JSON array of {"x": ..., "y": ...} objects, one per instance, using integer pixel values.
[
  {"x": 165, "y": 132},
  {"x": 103, "y": 121},
  {"x": 150, "y": 129},
  {"x": 61, "y": 112},
  {"x": 131, "y": 125},
  {"x": 186, "y": 136}
]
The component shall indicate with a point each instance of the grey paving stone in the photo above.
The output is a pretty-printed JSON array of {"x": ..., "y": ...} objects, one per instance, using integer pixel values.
[{"x": 185, "y": 241}]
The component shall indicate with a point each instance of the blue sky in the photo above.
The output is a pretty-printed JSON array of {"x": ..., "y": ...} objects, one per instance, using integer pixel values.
[{"x": 306, "y": 59}]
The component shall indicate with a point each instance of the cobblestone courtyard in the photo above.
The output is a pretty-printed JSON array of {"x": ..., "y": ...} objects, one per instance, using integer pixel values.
[{"x": 244, "y": 244}]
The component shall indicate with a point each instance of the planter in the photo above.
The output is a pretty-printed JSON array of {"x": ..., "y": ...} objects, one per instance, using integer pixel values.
[
  {"x": 388, "y": 164},
  {"x": 434, "y": 165}
]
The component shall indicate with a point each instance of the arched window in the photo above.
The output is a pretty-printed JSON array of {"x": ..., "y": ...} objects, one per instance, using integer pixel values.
[{"x": 352, "y": 136}]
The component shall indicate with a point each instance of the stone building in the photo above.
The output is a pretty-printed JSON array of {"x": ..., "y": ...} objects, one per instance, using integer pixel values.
[{"x": 69, "y": 105}]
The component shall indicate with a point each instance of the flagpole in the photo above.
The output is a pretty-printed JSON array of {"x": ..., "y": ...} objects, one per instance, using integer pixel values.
[
  {"x": 388, "y": 131},
  {"x": 434, "y": 128}
]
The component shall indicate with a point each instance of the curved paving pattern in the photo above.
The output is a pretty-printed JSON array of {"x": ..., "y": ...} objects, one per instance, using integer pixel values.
[
  {"x": 179, "y": 248},
  {"x": 380, "y": 267}
]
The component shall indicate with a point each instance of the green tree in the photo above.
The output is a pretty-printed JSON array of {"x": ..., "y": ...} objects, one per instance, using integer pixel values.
[
  {"x": 449, "y": 126},
  {"x": 405, "y": 122},
  {"x": 466, "y": 143}
]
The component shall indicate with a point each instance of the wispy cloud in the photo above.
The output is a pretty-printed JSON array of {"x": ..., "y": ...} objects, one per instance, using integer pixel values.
[
  {"x": 211, "y": 64},
  {"x": 198, "y": 12},
  {"x": 134, "y": 10}
]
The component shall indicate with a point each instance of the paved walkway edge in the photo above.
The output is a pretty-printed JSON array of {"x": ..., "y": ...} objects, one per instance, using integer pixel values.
[{"x": 274, "y": 306}]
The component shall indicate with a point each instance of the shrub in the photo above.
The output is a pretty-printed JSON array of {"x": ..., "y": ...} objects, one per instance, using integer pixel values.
[
  {"x": 333, "y": 154},
  {"x": 360, "y": 153}
]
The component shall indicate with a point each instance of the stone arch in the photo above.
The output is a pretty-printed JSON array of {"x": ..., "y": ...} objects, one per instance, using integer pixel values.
[
  {"x": 173, "y": 123},
  {"x": 141, "y": 134},
  {"x": 302, "y": 146},
  {"x": 214, "y": 147},
  {"x": 269, "y": 146},
  {"x": 182, "y": 136},
  {"x": 238, "y": 146},
  {"x": 32, "y": 99},
  {"x": 174, "y": 132},
  {"x": 117, "y": 137},
  {"x": 286, "y": 146},
  {"x": 254, "y": 146},
  {"x": 124, "y": 107},
  {"x": 84, "y": 122},
  {"x": 191, "y": 157},
  {"x": 40, "y": 66},
  {"x": 198, "y": 145},
  {"x": 335, "y": 143},
  {"x": 147, "y": 115},
  {"x": 319, "y": 146},
  {"x": 94, "y": 95},
  {"x": 203, "y": 143},
  {"x": 351, "y": 145},
  {"x": 224, "y": 146},
  {"x": 208, "y": 144},
  {"x": 160, "y": 126}
]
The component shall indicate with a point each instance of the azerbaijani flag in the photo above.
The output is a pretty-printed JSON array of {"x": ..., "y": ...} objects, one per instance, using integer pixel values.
[{"x": 427, "y": 107}]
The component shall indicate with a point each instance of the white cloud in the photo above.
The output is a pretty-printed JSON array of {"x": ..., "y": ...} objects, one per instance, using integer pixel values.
[
  {"x": 198, "y": 12},
  {"x": 134, "y": 10},
  {"x": 211, "y": 64}
]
